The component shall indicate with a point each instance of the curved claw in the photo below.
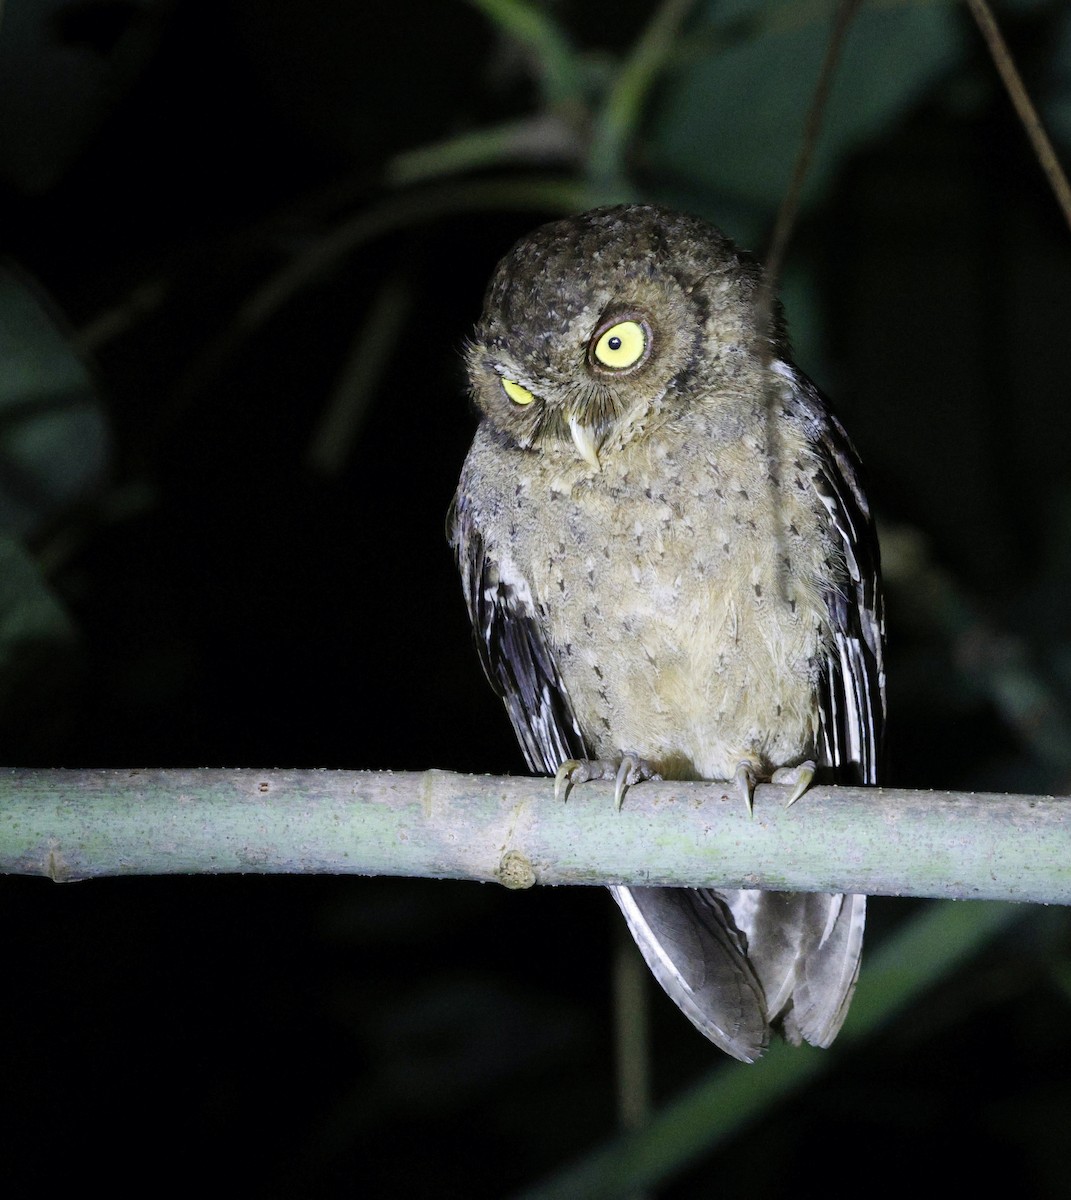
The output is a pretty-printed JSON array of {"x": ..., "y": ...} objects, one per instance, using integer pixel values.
[
  {"x": 802, "y": 776},
  {"x": 621, "y": 783},
  {"x": 745, "y": 779},
  {"x": 564, "y": 778}
]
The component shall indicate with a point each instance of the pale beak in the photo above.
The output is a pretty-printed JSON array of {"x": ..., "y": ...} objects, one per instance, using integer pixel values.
[{"x": 584, "y": 440}]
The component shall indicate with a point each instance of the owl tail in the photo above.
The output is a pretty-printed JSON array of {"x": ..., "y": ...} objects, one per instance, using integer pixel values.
[
  {"x": 740, "y": 962},
  {"x": 690, "y": 942}
]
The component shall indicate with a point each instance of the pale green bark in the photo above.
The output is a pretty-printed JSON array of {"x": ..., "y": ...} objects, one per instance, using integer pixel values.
[{"x": 82, "y": 823}]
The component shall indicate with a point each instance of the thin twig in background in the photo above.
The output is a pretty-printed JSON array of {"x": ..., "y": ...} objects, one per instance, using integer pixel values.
[
  {"x": 1028, "y": 115},
  {"x": 786, "y": 214},
  {"x": 632, "y": 1031}
]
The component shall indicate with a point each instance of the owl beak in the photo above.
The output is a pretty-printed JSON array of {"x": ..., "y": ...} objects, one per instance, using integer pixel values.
[{"x": 584, "y": 440}]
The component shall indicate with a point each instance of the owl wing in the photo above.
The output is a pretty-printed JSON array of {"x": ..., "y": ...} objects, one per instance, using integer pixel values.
[
  {"x": 853, "y": 695},
  {"x": 513, "y": 647},
  {"x": 687, "y": 937},
  {"x": 806, "y": 947}
]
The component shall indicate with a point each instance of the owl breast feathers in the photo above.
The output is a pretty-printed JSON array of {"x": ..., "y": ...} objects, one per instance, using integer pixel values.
[{"x": 669, "y": 564}]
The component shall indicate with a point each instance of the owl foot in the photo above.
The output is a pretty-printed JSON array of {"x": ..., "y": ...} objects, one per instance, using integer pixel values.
[
  {"x": 624, "y": 771},
  {"x": 747, "y": 776},
  {"x": 802, "y": 776}
]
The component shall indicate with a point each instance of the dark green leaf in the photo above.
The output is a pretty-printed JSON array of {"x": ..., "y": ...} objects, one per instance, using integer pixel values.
[{"x": 732, "y": 119}]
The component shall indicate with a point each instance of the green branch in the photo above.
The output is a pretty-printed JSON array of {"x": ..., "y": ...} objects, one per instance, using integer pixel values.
[{"x": 86, "y": 823}]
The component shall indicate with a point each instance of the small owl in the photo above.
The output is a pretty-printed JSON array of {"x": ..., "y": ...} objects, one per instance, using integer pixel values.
[{"x": 671, "y": 571}]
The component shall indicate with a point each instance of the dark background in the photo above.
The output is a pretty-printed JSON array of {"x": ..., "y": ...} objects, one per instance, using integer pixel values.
[{"x": 219, "y": 254}]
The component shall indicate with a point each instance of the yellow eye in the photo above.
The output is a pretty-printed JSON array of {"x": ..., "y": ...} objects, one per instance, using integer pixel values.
[
  {"x": 518, "y": 394},
  {"x": 622, "y": 345}
]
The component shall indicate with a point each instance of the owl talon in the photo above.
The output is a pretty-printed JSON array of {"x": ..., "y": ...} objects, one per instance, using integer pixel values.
[
  {"x": 746, "y": 778},
  {"x": 565, "y": 777},
  {"x": 629, "y": 772},
  {"x": 802, "y": 776},
  {"x": 624, "y": 771}
]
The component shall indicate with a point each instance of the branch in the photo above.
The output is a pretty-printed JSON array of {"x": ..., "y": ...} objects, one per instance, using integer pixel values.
[
  {"x": 1024, "y": 108},
  {"x": 85, "y": 823}
]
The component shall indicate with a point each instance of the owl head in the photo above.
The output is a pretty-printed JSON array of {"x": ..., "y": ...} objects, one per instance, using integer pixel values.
[{"x": 598, "y": 328}]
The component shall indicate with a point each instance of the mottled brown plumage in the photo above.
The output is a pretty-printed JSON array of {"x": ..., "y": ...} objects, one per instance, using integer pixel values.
[{"x": 668, "y": 560}]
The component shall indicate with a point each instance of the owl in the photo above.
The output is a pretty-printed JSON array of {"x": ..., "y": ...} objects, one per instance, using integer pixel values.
[{"x": 671, "y": 571}]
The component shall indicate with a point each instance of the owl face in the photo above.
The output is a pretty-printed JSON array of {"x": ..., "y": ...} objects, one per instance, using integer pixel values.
[{"x": 598, "y": 328}]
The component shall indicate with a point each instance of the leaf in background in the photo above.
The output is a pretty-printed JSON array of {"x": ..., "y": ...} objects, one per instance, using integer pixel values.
[
  {"x": 63, "y": 68},
  {"x": 731, "y": 120},
  {"x": 54, "y": 445}
]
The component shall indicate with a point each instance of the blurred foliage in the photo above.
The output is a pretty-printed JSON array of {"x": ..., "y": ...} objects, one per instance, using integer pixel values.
[
  {"x": 722, "y": 128},
  {"x": 244, "y": 244},
  {"x": 53, "y": 436}
]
